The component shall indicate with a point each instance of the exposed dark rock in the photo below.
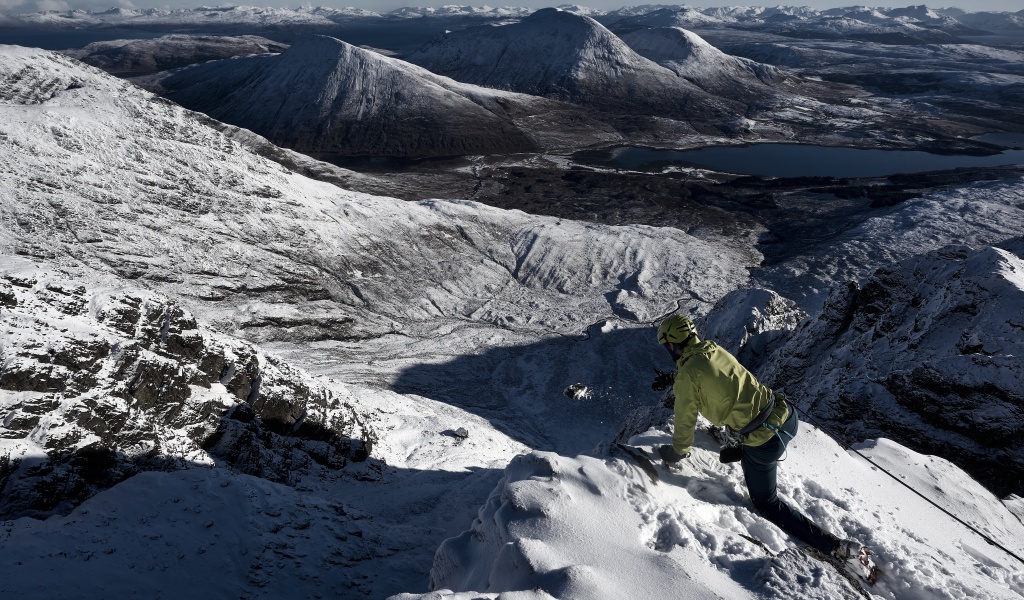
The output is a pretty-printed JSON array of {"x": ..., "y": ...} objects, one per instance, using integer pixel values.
[
  {"x": 138, "y": 385},
  {"x": 7, "y": 297},
  {"x": 927, "y": 353}
]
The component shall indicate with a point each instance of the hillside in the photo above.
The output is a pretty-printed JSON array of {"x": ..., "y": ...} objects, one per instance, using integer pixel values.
[
  {"x": 325, "y": 96},
  {"x": 583, "y": 63}
]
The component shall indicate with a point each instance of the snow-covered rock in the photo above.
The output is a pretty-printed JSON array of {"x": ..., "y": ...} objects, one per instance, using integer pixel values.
[
  {"x": 597, "y": 526},
  {"x": 101, "y": 383},
  {"x": 751, "y": 324},
  {"x": 927, "y": 351}
]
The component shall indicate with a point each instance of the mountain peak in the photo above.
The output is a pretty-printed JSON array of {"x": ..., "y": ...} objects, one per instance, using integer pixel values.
[{"x": 562, "y": 55}]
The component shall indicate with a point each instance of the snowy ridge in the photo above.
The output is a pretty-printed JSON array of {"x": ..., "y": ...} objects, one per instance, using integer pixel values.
[
  {"x": 697, "y": 61},
  {"x": 562, "y": 527},
  {"x": 324, "y": 95},
  {"x": 941, "y": 329},
  {"x": 583, "y": 63}
]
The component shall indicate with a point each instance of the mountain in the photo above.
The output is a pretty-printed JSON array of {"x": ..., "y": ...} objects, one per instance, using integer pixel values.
[
  {"x": 325, "y": 96},
  {"x": 693, "y": 59},
  {"x": 582, "y": 62},
  {"x": 169, "y": 52},
  {"x": 160, "y": 280},
  {"x": 187, "y": 249},
  {"x": 926, "y": 351}
]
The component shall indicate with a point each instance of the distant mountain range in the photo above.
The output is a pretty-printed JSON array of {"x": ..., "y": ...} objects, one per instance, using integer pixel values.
[
  {"x": 324, "y": 96},
  {"x": 782, "y": 18},
  {"x": 561, "y": 55},
  {"x": 555, "y": 80}
]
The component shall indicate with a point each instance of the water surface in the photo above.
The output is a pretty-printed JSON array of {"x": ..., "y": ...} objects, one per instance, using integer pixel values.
[{"x": 796, "y": 160}]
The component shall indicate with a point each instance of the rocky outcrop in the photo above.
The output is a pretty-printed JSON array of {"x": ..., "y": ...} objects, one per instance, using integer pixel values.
[
  {"x": 99, "y": 384},
  {"x": 926, "y": 352},
  {"x": 751, "y": 324}
]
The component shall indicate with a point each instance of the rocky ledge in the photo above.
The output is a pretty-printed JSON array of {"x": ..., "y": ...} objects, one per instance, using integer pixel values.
[{"x": 98, "y": 384}]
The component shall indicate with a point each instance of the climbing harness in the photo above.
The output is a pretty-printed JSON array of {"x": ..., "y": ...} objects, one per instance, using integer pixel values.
[{"x": 761, "y": 420}]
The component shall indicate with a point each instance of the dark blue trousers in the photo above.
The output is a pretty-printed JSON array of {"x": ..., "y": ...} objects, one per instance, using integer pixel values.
[{"x": 759, "y": 469}]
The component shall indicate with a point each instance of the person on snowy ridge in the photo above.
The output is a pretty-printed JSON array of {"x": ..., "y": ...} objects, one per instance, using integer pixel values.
[{"x": 710, "y": 380}]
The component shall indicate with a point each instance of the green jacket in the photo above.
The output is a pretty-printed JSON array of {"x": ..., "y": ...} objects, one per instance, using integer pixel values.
[{"x": 711, "y": 381}]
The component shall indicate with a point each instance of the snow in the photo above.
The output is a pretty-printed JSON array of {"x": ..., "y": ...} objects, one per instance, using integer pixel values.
[
  {"x": 587, "y": 526},
  {"x": 564, "y": 527},
  {"x": 463, "y": 317}
]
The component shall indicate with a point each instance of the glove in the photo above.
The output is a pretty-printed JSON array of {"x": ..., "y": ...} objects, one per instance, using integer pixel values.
[
  {"x": 669, "y": 455},
  {"x": 663, "y": 380},
  {"x": 730, "y": 454}
]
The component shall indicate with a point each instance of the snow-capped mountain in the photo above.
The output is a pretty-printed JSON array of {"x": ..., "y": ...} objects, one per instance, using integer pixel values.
[
  {"x": 454, "y": 10},
  {"x": 169, "y": 52},
  {"x": 700, "y": 63},
  {"x": 670, "y": 74},
  {"x": 565, "y": 56},
  {"x": 326, "y": 96},
  {"x": 145, "y": 238},
  {"x": 169, "y": 210},
  {"x": 235, "y": 338}
]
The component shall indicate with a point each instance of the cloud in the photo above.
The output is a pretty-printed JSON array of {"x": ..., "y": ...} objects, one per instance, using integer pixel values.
[
  {"x": 57, "y": 5},
  {"x": 7, "y": 5}
]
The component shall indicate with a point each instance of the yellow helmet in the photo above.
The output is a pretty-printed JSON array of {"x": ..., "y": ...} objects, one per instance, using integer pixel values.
[{"x": 676, "y": 329}]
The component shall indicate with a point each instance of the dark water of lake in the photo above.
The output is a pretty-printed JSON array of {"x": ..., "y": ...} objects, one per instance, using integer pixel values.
[{"x": 796, "y": 160}]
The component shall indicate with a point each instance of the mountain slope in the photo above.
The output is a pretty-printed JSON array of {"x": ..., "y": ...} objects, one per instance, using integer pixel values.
[
  {"x": 558, "y": 54},
  {"x": 432, "y": 317},
  {"x": 927, "y": 351},
  {"x": 325, "y": 96},
  {"x": 700, "y": 63}
]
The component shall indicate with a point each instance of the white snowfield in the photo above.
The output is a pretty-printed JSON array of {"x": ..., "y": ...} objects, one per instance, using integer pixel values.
[
  {"x": 474, "y": 317},
  {"x": 599, "y": 527}
]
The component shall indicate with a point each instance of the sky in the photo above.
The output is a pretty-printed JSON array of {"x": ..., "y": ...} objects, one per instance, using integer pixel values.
[{"x": 24, "y": 6}]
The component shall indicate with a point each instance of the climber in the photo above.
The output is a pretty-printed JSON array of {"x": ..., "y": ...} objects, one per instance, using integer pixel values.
[{"x": 709, "y": 380}]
